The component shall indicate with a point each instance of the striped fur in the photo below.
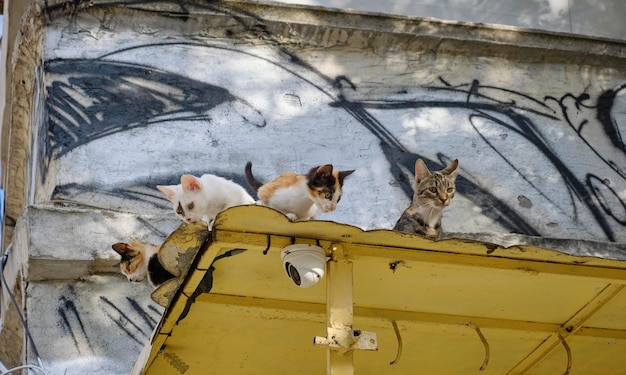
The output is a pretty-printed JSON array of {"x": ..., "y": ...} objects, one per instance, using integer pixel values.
[{"x": 433, "y": 192}]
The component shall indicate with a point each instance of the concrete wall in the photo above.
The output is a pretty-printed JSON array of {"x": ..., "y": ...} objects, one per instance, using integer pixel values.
[
  {"x": 598, "y": 18},
  {"x": 125, "y": 98},
  {"x": 132, "y": 103}
]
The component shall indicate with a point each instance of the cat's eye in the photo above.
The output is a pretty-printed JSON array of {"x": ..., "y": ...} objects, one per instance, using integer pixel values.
[
  {"x": 190, "y": 206},
  {"x": 328, "y": 195},
  {"x": 450, "y": 190},
  {"x": 432, "y": 190},
  {"x": 179, "y": 209}
]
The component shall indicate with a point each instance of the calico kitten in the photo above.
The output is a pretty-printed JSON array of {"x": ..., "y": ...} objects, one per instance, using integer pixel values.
[
  {"x": 140, "y": 260},
  {"x": 300, "y": 196},
  {"x": 433, "y": 192},
  {"x": 203, "y": 198}
]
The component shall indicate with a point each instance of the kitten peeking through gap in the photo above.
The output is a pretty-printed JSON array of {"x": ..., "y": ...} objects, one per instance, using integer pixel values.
[
  {"x": 140, "y": 260},
  {"x": 300, "y": 196},
  {"x": 433, "y": 192}
]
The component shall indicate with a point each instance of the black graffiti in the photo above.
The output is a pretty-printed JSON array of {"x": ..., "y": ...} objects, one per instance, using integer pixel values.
[
  {"x": 138, "y": 191},
  {"x": 605, "y": 117},
  {"x": 143, "y": 314},
  {"x": 123, "y": 321},
  {"x": 121, "y": 96},
  {"x": 110, "y": 110},
  {"x": 130, "y": 317},
  {"x": 607, "y": 198},
  {"x": 476, "y": 100},
  {"x": 400, "y": 158},
  {"x": 144, "y": 192},
  {"x": 69, "y": 316}
]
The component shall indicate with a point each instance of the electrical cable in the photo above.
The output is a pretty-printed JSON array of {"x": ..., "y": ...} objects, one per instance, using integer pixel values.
[
  {"x": 33, "y": 367},
  {"x": 3, "y": 262}
]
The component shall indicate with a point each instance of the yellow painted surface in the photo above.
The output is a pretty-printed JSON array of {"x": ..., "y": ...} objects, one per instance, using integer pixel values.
[{"x": 255, "y": 321}]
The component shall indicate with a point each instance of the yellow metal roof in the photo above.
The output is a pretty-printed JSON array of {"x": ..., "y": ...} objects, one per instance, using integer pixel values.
[{"x": 458, "y": 305}]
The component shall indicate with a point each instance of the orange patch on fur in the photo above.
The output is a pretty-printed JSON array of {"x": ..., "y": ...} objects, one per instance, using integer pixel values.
[
  {"x": 138, "y": 257},
  {"x": 137, "y": 254},
  {"x": 266, "y": 192}
]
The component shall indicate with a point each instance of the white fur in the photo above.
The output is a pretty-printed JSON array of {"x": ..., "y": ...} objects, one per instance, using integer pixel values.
[
  {"x": 431, "y": 214},
  {"x": 294, "y": 201},
  {"x": 214, "y": 196}
]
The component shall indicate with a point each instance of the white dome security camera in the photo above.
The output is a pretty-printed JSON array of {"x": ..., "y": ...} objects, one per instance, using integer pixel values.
[{"x": 304, "y": 264}]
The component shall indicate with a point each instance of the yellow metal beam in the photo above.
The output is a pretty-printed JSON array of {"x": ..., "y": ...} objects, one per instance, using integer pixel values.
[
  {"x": 560, "y": 264},
  {"x": 568, "y": 328},
  {"x": 409, "y": 316},
  {"x": 526, "y": 300},
  {"x": 339, "y": 313}
]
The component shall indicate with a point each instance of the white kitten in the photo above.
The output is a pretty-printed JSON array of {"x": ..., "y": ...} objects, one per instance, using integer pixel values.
[{"x": 203, "y": 198}]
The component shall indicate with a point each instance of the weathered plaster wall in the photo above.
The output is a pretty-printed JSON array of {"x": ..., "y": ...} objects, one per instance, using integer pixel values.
[
  {"x": 132, "y": 97},
  {"x": 134, "y": 101},
  {"x": 90, "y": 326}
]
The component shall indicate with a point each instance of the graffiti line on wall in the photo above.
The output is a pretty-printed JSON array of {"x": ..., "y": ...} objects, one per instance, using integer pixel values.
[
  {"x": 69, "y": 315},
  {"x": 594, "y": 193},
  {"x": 110, "y": 90},
  {"x": 129, "y": 316},
  {"x": 122, "y": 96},
  {"x": 123, "y": 321},
  {"x": 111, "y": 111}
]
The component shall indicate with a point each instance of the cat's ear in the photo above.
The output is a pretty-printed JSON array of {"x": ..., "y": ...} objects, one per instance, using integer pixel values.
[
  {"x": 421, "y": 171},
  {"x": 169, "y": 191},
  {"x": 123, "y": 249},
  {"x": 343, "y": 174},
  {"x": 190, "y": 183},
  {"x": 324, "y": 170},
  {"x": 451, "y": 169}
]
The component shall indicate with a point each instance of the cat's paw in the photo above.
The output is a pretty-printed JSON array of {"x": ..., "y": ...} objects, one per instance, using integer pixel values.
[
  {"x": 292, "y": 217},
  {"x": 209, "y": 223}
]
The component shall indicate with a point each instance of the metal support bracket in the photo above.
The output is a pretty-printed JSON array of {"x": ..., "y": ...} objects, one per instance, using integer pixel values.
[
  {"x": 341, "y": 339},
  {"x": 356, "y": 340}
]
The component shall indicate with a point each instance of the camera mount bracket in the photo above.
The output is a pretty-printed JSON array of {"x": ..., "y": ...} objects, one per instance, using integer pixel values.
[
  {"x": 354, "y": 340},
  {"x": 341, "y": 338}
]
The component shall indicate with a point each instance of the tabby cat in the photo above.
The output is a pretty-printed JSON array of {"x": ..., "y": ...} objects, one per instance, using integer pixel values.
[
  {"x": 140, "y": 260},
  {"x": 203, "y": 198},
  {"x": 300, "y": 196},
  {"x": 433, "y": 192}
]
